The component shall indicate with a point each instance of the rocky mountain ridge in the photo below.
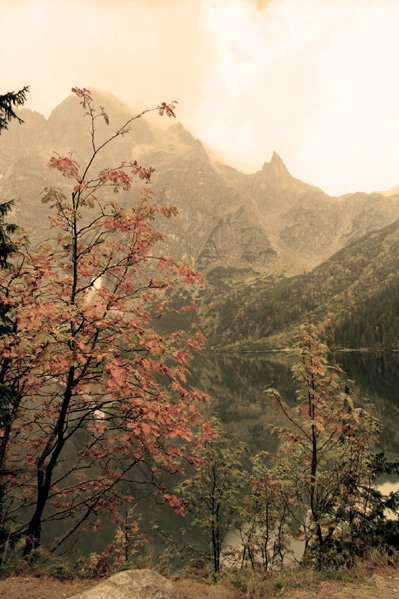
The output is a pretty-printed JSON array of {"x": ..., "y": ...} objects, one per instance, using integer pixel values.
[
  {"x": 353, "y": 297},
  {"x": 265, "y": 223}
]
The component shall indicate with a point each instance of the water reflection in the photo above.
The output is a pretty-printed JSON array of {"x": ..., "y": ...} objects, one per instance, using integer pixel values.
[
  {"x": 376, "y": 378},
  {"x": 237, "y": 383}
]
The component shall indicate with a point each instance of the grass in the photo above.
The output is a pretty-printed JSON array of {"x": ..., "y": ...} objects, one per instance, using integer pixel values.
[
  {"x": 251, "y": 584},
  {"x": 257, "y": 585}
]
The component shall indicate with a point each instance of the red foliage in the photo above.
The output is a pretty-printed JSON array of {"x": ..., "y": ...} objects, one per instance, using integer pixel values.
[{"x": 82, "y": 356}]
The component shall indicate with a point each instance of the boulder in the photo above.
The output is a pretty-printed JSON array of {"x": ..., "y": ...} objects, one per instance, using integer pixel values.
[{"x": 131, "y": 584}]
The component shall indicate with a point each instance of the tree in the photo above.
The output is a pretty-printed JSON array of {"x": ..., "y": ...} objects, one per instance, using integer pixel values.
[
  {"x": 7, "y": 246},
  {"x": 265, "y": 523},
  {"x": 8, "y": 397},
  {"x": 8, "y": 102},
  {"x": 211, "y": 494},
  {"x": 103, "y": 401},
  {"x": 325, "y": 451}
]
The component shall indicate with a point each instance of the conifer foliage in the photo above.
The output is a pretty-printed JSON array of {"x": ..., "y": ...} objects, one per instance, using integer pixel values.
[
  {"x": 8, "y": 103},
  {"x": 102, "y": 402},
  {"x": 8, "y": 396}
]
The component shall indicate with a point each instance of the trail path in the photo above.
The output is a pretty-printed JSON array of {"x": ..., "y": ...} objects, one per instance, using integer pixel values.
[{"x": 384, "y": 585}]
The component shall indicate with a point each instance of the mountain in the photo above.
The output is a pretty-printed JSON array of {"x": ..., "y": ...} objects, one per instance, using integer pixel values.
[
  {"x": 353, "y": 296},
  {"x": 240, "y": 226}
]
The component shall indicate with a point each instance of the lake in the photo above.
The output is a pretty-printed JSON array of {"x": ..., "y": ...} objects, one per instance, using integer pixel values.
[{"x": 237, "y": 383}]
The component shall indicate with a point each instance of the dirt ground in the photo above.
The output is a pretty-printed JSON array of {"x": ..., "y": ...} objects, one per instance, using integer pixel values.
[
  {"x": 38, "y": 588},
  {"x": 378, "y": 587},
  {"x": 384, "y": 585}
]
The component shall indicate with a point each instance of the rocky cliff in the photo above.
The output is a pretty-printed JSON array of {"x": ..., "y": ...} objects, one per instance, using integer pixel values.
[{"x": 265, "y": 223}]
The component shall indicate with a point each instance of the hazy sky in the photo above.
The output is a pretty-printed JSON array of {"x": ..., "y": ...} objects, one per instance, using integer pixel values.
[{"x": 315, "y": 80}]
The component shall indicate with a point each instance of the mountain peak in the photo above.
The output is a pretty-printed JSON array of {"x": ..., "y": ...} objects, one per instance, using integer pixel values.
[
  {"x": 181, "y": 133},
  {"x": 276, "y": 164},
  {"x": 277, "y": 160},
  {"x": 275, "y": 168}
]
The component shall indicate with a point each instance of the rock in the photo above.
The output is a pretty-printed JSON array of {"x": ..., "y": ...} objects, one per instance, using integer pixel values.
[
  {"x": 380, "y": 581},
  {"x": 131, "y": 584}
]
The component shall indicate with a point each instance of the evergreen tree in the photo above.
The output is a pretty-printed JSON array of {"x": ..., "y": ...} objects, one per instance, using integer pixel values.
[
  {"x": 7, "y": 246},
  {"x": 8, "y": 396},
  {"x": 8, "y": 102}
]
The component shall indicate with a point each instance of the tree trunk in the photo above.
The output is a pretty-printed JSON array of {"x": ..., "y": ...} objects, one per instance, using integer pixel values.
[{"x": 45, "y": 471}]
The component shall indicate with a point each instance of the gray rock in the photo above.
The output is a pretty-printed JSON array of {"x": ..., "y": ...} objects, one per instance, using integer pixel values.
[{"x": 132, "y": 584}]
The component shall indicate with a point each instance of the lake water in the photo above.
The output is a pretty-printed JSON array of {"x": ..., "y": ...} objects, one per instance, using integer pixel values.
[{"x": 237, "y": 383}]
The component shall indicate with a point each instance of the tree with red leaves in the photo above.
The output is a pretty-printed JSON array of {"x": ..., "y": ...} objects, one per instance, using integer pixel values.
[{"x": 103, "y": 404}]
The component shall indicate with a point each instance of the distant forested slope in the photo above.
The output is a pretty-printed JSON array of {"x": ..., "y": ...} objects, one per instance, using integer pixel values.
[{"x": 353, "y": 296}]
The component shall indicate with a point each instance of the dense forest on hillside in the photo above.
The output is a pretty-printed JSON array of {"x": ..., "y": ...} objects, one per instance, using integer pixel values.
[
  {"x": 353, "y": 296},
  {"x": 372, "y": 323}
]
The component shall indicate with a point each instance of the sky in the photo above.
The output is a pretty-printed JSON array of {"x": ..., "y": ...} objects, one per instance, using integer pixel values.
[{"x": 317, "y": 81}]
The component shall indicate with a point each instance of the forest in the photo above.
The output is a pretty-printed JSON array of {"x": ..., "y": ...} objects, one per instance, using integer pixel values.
[{"x": 352, "y": 297}]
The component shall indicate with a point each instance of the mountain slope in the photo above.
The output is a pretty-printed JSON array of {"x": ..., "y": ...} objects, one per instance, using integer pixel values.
[
  {"x": 340, "y": 291},
  {"x": 246, "y": 226}
]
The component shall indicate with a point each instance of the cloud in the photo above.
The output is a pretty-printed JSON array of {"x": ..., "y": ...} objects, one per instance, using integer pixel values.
[
  {"x": 145, "y": 52},
  {"x": 261, "y": 4},
  {"x": 264, "y": 68},
  {"x": 315, "y": 81}
]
